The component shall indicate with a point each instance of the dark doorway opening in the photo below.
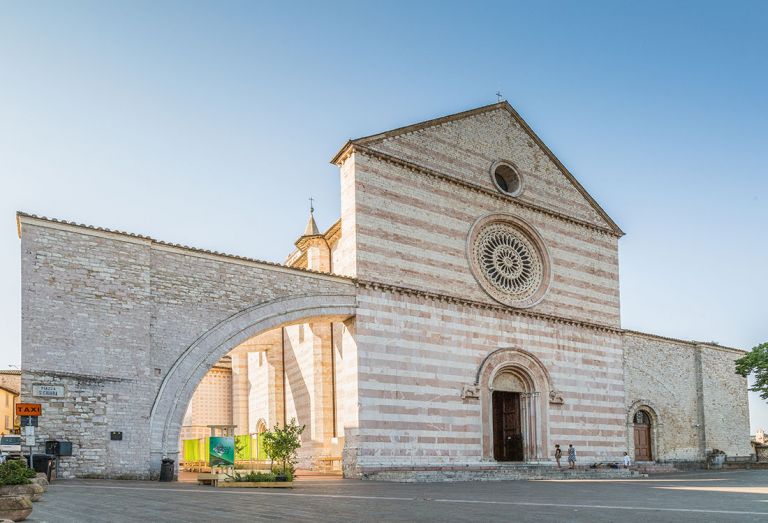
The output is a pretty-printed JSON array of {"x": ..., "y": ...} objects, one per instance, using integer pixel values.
[
  {"x": 642, "y": 425},
  {"x": 507, "y": 427}
]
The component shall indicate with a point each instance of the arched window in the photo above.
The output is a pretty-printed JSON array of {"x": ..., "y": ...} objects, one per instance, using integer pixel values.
[{"x": 642, "y": 418}]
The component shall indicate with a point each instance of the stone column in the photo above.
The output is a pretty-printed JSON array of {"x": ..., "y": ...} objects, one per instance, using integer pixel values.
[
  {"x": 536, "y": 421},
  {"x": 322, "y": 398},
  {"x": 240, "y": 390},
  {"x": 525, "y": 426},
  {"x": 265, "y": 381}
]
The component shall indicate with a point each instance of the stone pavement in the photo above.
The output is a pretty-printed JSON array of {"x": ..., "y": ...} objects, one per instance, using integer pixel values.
[{"x": 681, "y": 497}]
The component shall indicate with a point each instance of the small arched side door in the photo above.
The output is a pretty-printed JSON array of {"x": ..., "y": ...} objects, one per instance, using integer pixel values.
[{"x": 642, "y": 427}]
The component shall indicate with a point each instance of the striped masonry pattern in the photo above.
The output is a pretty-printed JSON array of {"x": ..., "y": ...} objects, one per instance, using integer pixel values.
[
  {"x": 466, "y": 149},
  {"x": 420, "y": 352},
  {"x": 412, "y": 232}
]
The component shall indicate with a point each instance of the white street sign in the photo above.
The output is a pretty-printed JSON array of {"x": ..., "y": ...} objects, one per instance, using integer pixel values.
[
  {"x": 48, "y": 391},
  {"x": 29, "y": 436}
]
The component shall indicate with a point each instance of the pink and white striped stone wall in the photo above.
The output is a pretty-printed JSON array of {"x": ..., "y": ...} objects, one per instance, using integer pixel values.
[
  {"x": 417, "y": 354},
  {"x": 411, "y": 230},
  {"x": 407, "y": 228}
]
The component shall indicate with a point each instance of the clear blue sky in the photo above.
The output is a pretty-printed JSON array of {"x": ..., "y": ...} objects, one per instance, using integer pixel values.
[{"x": 211, "y": 123}]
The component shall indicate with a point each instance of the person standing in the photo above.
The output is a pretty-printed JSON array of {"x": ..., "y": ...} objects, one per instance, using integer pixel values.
[
  {"x": 627, "y": 461},
  {"x": 571, "y": 457},
  {"x": 558, "y": 455}
]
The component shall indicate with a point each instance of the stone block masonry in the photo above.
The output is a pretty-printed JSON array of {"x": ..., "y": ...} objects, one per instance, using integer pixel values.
[
  {"x": 697, "y": 401},
  {"x": 109, "y": 316}
]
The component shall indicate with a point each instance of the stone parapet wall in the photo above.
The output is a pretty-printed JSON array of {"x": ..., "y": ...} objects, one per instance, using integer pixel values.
[
  {"x": 726, "y": 407},
  {"x": 113, "y": 317},
  {"x": 698, "y": 402}
]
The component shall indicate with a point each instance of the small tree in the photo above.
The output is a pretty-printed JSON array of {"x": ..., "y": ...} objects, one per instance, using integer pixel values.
[
  {"x": 281, "y": 444},
  {"x": 756, "y": 361}
]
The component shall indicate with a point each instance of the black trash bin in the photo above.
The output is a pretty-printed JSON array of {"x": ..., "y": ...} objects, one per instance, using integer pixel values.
[
  {"x": 166, "y": 470},
  {"x": 44, "y": 463}
]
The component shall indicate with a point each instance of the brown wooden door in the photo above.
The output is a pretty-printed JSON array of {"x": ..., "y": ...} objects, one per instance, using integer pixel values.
[
  {"x": 643, "y": 442},
  {"x": 507, "y": 427}
]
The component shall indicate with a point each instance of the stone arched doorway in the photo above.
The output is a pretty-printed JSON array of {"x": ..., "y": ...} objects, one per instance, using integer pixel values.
[
  {"x": 643, "y": 427},
  {"x": 514, "y": 392},
  {"x": 180, "y": 382},
  {"x": 508, "y": 400}
]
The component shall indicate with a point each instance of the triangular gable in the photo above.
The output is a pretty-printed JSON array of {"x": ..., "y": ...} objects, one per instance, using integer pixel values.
[{"x": 387, "y": 142}]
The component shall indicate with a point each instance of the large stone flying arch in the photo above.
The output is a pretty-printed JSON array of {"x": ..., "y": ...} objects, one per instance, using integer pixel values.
[
  {"x": 126, "y": 326},
  {"x": 189, "y": 369}
]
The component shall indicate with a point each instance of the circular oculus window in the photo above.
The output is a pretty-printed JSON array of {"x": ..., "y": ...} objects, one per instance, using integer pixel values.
[
  {"x": 506, "y": 178},
  {"x": 508, "y": 260}
]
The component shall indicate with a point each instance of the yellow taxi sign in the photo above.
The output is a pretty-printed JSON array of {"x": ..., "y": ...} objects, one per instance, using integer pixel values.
[{"x": 29, "y": 409}]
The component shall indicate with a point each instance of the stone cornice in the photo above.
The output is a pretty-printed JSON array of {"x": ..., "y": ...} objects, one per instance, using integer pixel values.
[
  {"x": 333, "y": 233},
  {"x": 486, "y": 306},
  {"x": 23, "y": 218},
  {"x": 480, "y": 189},
  {"x": 76, "y": 375},
  {"x": 689, "y": 343},
  {"x": 535, "y": 315},
  {"x": 303, "y": 243},
  {"x": 52, "y": 223},
  {"x": 348, "y": 148}
]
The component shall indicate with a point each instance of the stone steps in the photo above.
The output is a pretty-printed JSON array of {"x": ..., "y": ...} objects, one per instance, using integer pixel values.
[
  {"x": 654, "y": 468},
  {"x": 494, "y": 473},
  {"x": 762, "y": 465}
]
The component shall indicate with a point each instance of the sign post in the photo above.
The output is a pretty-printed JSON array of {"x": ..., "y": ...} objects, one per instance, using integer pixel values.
[{"x": 29, "y": 413}]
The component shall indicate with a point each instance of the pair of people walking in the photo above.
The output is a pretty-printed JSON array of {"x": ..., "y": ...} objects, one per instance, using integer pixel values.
[{"x": 571, "y": 456}]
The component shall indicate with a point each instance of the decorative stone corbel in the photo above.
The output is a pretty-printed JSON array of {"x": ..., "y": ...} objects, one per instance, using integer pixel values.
[
  {"x": 556, "y": 397},
  {"x": 470, "y": 392}
]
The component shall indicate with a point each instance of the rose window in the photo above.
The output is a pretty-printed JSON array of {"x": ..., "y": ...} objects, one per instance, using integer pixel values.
[{"x": 507, "y": 263}]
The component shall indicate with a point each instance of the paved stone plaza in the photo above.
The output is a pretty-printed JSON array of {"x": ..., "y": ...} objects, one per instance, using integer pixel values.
[{"x": 695, "y": 496}]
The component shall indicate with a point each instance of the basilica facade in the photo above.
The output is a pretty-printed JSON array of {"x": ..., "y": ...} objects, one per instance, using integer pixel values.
[{"x": 462, "y": 314}]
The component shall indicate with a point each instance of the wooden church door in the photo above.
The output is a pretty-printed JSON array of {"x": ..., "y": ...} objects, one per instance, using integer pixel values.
[
  {"x": 642, "y": 425},
  {"x": 507, "y": 427}
]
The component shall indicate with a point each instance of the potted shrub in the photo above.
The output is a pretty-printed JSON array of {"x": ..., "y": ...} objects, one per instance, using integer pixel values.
[
  {"x": 255, "y": 479},
  {"x": 17, "y": 478},
  {"x": 17, "y": 491},
  {"x": 281, "y": 445}
]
